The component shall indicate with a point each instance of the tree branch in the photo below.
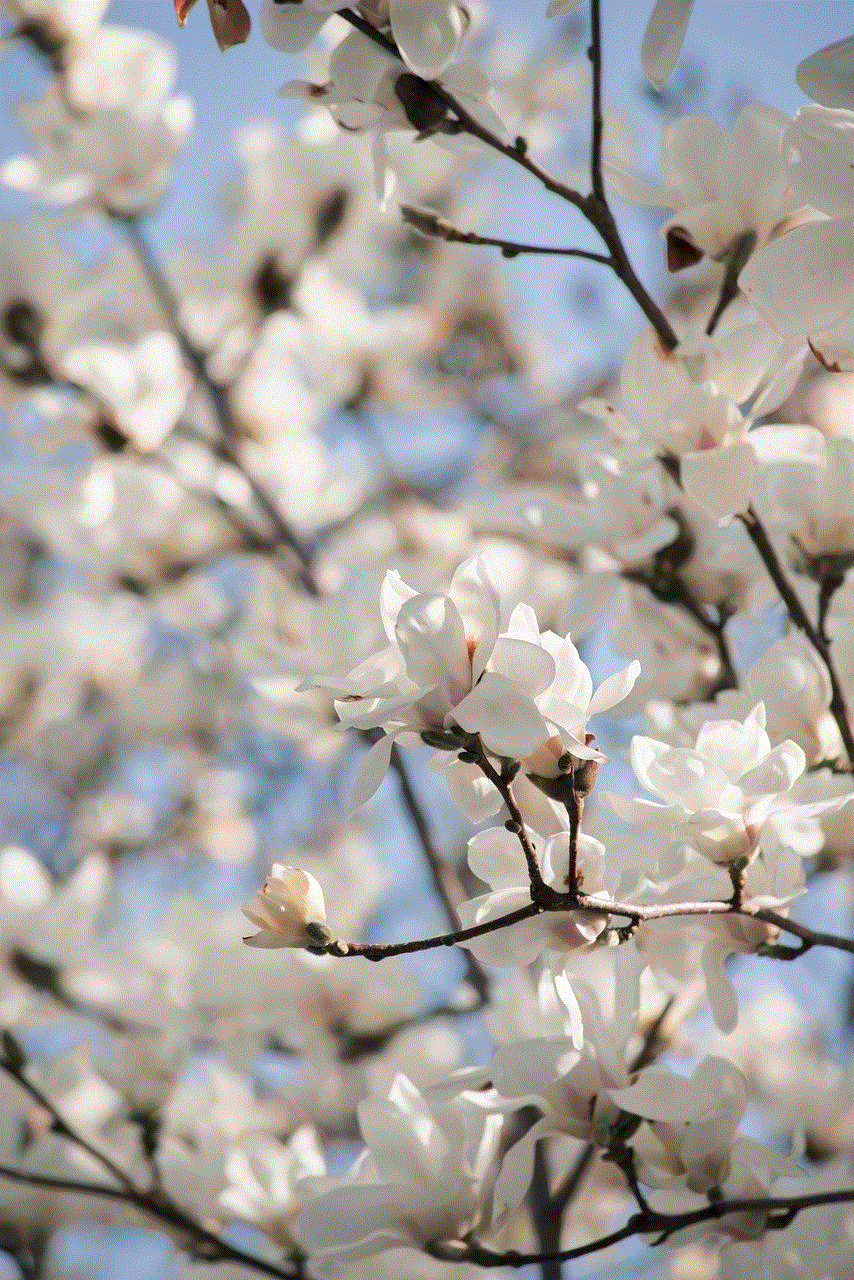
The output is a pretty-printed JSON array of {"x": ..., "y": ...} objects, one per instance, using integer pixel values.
[
  {"x": 431, "y": 224},
  {"x": 759, "y": 537},
  {"x": 283, "y": 534}
]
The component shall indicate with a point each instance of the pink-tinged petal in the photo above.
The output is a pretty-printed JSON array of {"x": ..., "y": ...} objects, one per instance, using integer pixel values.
[
  {"x": 528, "y": 665},
  {"x": 290, "y": 27},
  {"x": 506, "y": 719},
  {"x": 372, "y": 769},
  {"x": 475, "y": 595},
  {"x": 828, "y": 75},
  {"x": 719, "y": 480},
  {"x": 428, "y": 33},
  {"x": 663, "y": 38},
  {"x": 614, "y": 689},
  {"x": 777, "y": 773},
  {"x": 801, "y": 282},
  {"x": 432, "y": 639},
  {"x": 821, "y": 159}
]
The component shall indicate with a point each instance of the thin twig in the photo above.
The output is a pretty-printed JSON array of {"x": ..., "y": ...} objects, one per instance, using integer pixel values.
[
  {"x": 445, "y": 880},
  {"x": 759, "y": 537},
  {"x": 283, "y": 534},
  {"x": 156, "y": 1207},
  {"x": 431, "y": 224},
  {"x": 584, "y": 904},
  {"x": 779, "y": 1212}
]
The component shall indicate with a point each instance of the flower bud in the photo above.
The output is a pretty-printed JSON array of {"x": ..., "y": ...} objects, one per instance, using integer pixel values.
[{"x": 289, "y": 911}]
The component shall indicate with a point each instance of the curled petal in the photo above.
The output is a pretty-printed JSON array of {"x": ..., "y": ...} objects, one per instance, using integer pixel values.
[
  {"x": 505, "y": 717},
  {"x": 828, "y": 75}
]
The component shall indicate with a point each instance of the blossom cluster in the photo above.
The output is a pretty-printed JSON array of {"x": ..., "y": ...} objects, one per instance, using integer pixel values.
[{"x": 320, "y": 597}]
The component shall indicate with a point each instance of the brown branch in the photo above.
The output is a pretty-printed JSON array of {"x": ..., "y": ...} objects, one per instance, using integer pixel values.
[
  {"x": 553, "y": 901},
  {"x": 780, "y": 1211},
  {"x": 155, "y": 1206},
  {"x": 217, "y": 393},
  {"x": 759, "y": 537},
  {"x": 594, "y": 206},
  {"x": 431, "y": 224}
]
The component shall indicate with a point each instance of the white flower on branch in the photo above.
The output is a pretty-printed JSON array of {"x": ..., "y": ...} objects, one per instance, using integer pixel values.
[
  {"x": 801, "y": 283},
  {"x": 721, "y": 186},
  {"x": 495, "y": 857},
  {"x": 289, "y": 910},
  {"x": 417, "y": 1181},
  {"x": 687, "y": 402},
  {"x": 428, "y": 34},
  {"x": 717, "y": 797}
]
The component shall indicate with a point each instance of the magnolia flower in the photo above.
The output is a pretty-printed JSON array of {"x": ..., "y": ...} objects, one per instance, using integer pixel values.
[
  {"x": 692, "y": 1123},
  {"x": 446, "y": 665},
  {"x": 111, "y": 131},
  {"x": 718, "y": 796},
  {"x": 495, "y": 857},
  {"x": 806, "y": 503},
  {"x": 369, "y": 87},
  {"x": 662, "y": 41},
  {"x": 417, "y": 1181},
  {"x": 687, "y": 403},
  {"x": 262, "y": 1175},
  {"x": 289, "y": 911},
  {"x": 428, "y": 34},
  {"x": 721, "y": 186}
]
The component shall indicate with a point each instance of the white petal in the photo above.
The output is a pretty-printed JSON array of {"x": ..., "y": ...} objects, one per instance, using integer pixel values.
[
  {"x": 614, "y": 689},
  {"x": 290, "y": 27},
  {"x": 504, "y": 716},
  {"x": 663, "y": 39},
  {"x": 828, "y": 75},
  {"x": 428, "y": 33},
  {"x": 372, "y": 769},
  {"x": 801, "y": 282},
  {"x": 528, "y": 665},
  {"x": 719, "y": 480}
]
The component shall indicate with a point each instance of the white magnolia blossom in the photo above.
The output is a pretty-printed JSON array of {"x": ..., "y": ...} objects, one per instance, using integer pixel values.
[
  {"x": 262, "y": 1176},
  {"x": 717, "y": 796},
  {"x": 111, "y": 132},
  {"x": 289, "y": 910},
  {"x": 721, "y": 186},
  {"x": 803, "y": 503},
  {"x": 687, "y": 403},
  {"x": 527, "y": 694},
  {"x": 418, "y": 1180},
  {"x": 801, "y": 283},
  {"x": 371, "y": 88},
  {"x": 428, "y": 35},
  {"x": 495, "y": 857}
]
